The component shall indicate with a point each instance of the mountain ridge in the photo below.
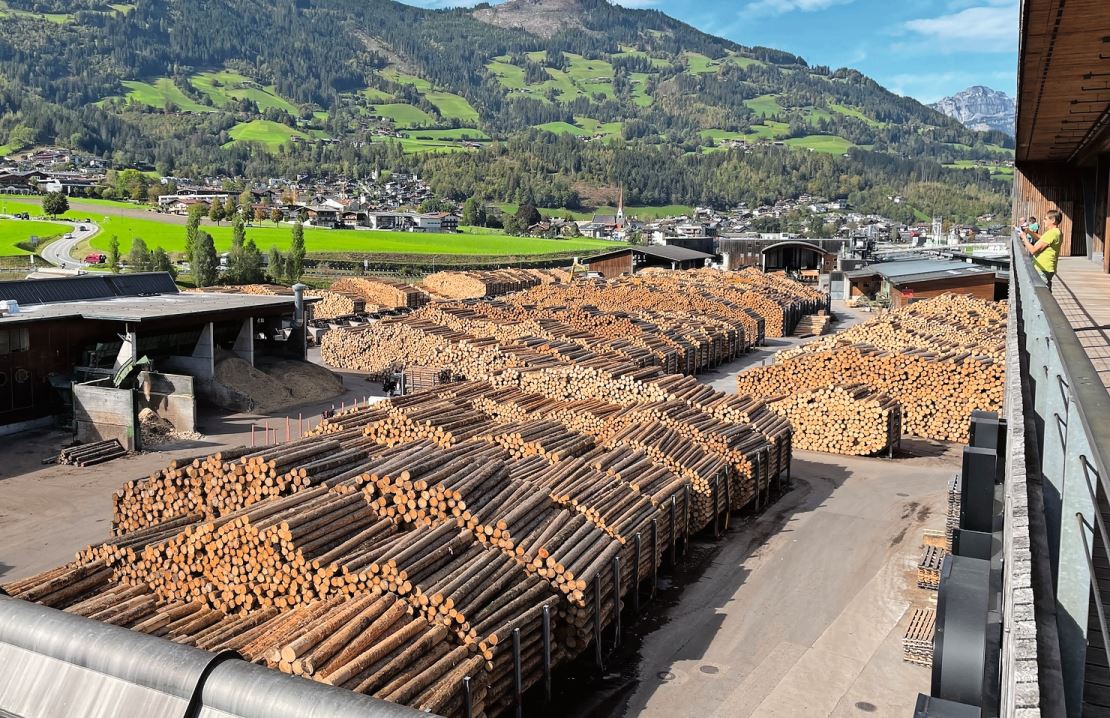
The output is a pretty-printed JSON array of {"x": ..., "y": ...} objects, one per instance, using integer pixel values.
[
  {"x": 980, "y": 108},
  {"x": 234, "y": 87}
]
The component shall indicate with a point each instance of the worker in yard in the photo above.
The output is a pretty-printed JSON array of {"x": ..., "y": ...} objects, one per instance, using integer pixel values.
[{"x": 1046, "y": 251}]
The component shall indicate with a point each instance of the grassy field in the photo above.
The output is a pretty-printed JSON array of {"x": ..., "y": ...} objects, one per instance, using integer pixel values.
[
  {"x": 640, "y": 96},
  {"x": 583, "y": 127},
  {"x": 853, "y": 112},
  {"x": 699, "y": 64},
  {"x": 272, "y": 134},
  {"x": 394, "y": 75},
  {"x": 404, "y": 115},
  {"x": 160, "y": 93},
  {"x": 375, "y": 95},
  {"x": 329, "y": 241},
  {"x": 764, "y": 105},
  {"x": 453, "y": 106},
  {"x": 411, "y": 145},
  {"x": 226, "y": 86},
  {"x": 56, "y": 18},
  {"x": 822, "y": 143},
  {"x": 14, "y": 231},
  {"x": 457, "y": 133}
]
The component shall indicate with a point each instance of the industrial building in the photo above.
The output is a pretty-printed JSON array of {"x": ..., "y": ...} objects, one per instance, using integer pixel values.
[
  {"x": 773, "y": 255},
  {"x": 630, "y": 260},
  {"x": 55, "y": 333},
  {"x": 910, "y": 281}
]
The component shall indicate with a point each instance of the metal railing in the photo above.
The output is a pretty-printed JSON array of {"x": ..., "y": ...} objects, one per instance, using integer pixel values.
[{"x": 1071, "y": 410}]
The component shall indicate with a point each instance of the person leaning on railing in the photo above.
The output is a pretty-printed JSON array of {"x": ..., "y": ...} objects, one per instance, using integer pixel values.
[{"x": 1046, "y": 252}]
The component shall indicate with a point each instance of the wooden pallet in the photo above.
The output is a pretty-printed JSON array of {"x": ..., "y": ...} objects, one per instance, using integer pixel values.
[
  {"x": 917, "y": 645},
  {"x": 928, "y": 570}
]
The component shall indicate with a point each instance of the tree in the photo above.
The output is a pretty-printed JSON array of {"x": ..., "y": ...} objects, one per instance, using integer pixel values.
[
  {"x": 138, "y": 257},
  {"x": 55, "y": 203},
  {"x": 230, "y": 208},
  {"x": 276, "y": 215},
  {"x": 276, "y": 266},
  {"x": 474, "y": 212},
  {"x": 160, "y": 262},
  {"x": 238, "y": 231},
  {"x": 113, "y": 254},
  {"x": 192, "y": 227},
  {"x": 294, "y": 266},
  {"x": 246, "y": 198},
  {"x": 251, "y": 264},
  {"x": 526, "y": 216},
  {"x": 205, "y": 264},
  {"x": 259, "y": 215},
  {"x": 216, "y": 212}
]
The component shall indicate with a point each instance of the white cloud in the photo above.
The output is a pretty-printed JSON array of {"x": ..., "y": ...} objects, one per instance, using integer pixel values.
[
  {"x": 779, "y": 7},
  {"x": 986, "y": 28}
]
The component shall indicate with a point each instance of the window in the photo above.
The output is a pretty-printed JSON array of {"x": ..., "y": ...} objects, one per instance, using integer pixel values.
[{"x": 15, "y": 340}]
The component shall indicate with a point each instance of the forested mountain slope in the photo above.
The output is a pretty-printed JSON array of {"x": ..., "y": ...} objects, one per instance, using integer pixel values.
[{"x": 550, "y": 100}]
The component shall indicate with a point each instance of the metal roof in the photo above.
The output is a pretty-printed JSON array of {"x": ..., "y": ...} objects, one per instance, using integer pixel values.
[
  {"x": 143, "y": 309},
  {"x": 668, "y": 252},
  {"x": 919, "y": 270},
  {"x": 60, "y": 664},
  {"x": 89, "y": 286}
]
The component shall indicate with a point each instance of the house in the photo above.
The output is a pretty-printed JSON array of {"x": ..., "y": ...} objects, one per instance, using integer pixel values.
[
  {"x": 182, "y": 206},
  {"x": 447, "y": 222},
  {"x": 400, "y": 221},
  {"x": 328, "y": 213}
]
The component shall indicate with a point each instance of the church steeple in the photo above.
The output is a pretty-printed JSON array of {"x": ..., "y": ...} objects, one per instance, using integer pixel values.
[{"x": 620, "y": 208}]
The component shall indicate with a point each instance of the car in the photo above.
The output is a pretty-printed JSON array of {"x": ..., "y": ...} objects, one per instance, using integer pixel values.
[{"x": 82, "y": 228}]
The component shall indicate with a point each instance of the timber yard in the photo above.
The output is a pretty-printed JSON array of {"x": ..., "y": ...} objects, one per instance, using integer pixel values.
[{"x": 691, "y": 475}]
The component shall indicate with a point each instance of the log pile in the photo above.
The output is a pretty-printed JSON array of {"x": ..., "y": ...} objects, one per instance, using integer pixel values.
[
  {"x": 91, "y": 454},
  {"x": 335, "y": 304},
  {"x": 387, "y": 293},
  {"x": 848, "y": 419},
  {"x": 474, "y": 285},
  {"x": 917, "y": 645},
  {"x": 937, "y": 392}
]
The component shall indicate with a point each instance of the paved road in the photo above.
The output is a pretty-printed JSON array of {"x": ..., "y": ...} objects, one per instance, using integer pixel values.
[{"x": 59, "y": 253}]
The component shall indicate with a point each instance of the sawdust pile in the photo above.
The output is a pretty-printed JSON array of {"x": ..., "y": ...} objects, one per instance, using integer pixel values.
[{"x": 276, "y": 383}]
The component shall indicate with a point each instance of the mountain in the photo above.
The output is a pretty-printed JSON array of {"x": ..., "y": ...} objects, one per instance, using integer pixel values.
[
  {"x": 558, "y": 102},
  {"x": 980, "y": 108}
]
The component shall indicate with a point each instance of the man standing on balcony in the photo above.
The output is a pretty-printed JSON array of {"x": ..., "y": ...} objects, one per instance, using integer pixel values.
[{"x": 1046, "y": 252}]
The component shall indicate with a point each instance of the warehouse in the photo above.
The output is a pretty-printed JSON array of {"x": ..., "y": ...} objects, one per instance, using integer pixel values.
[
  {"x": 56, "y": 331},
  {"x": 772, "y": 255},
  {"x": 632, "y": 259},
  {"x": 907, "y": 282}
]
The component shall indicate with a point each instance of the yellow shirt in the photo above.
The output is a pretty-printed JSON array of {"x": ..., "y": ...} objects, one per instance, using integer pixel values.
[{"x": 1050, "y": 255}]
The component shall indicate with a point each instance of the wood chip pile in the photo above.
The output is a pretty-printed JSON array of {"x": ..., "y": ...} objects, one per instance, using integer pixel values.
[
  {"x": 848, "y": 419},
  {"x": 941, "y": 359},
  {"x": 385, "y": 293}
]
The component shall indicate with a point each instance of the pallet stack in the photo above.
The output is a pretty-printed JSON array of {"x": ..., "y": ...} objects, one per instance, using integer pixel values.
[
  {"x": 952, "y": 517},
  {"x": 917, "y": 645},
  {"x": 928, "y": 569},
  {"x": 850, "y": 419}
]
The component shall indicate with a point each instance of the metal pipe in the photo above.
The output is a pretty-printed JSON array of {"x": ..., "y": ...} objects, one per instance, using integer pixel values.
[{"x": 298, "y": 304}]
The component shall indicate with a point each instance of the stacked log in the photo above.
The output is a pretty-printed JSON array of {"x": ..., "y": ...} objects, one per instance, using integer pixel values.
[
  {"x": 65, "y": 585},
  {"x": 387, "y": 293},
  {"x": 937, "y": 392},
  {"x": 848, "y": 419},
  {"x": 335, "y": 304},
  {"x": 474, "y": 285},
  {"x": 96, "y": 452}
]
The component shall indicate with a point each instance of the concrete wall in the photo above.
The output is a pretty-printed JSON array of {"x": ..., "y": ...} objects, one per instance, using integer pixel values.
[
  {"x": 102, "y": 412},
  {"x": 171, "y": 396}
]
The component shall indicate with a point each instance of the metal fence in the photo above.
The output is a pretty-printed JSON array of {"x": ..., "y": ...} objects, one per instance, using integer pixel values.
[{"x": 1070, "y": 450}]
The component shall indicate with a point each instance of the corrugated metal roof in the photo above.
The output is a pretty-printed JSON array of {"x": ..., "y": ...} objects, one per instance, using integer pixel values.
[
  {"x": 91, "y": 286},
  {"x": 150, "y": 308},
  {"x": 918, "y": 267}
]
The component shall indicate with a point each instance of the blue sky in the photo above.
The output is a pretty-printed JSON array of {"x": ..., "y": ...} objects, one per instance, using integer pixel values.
[{"x": 923, "y": 48}]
